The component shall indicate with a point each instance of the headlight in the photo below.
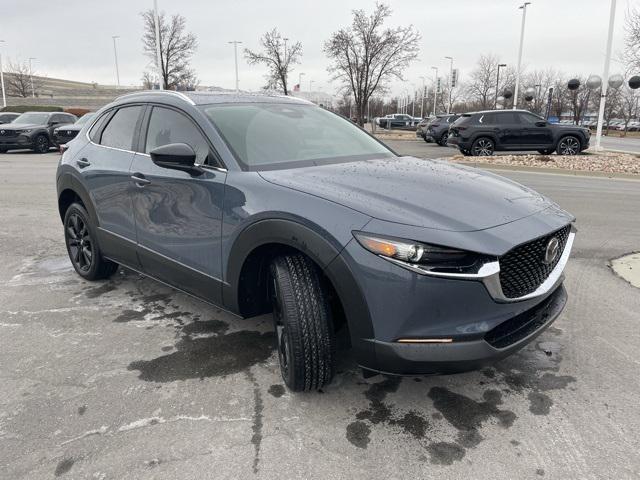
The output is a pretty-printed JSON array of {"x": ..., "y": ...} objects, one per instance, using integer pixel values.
[
  {"x": 421, "y": 255},
  {"x": 24, "y": 131}
]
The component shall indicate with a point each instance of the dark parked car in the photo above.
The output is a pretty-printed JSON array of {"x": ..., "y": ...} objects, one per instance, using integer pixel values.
[
  {"x": 271, "y": 204},
  {"x": 398, "y": 120},
  {"x": 482, "y": 133},
  {"x": 438, "y": 129},
  {"x": 33, "y": 130},
  {"x": 66, "y": 133},
  {"x": 8, "y": 117}
]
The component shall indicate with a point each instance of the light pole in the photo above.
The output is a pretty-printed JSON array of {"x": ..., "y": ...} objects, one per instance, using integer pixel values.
[
  {"x": 435, "y": 90},
  {"x": 33, "y": 92},
  {"x": 235, "y": 53},
  {"x": 158, "y": 54},
  {"x": 286, "y": 63},
  {"x": 450, "y": 81},
  {"x": 4, "y": 97},
  {"x": 115, "y": 54},
  {"x": 605, "y": 74},
  {"x": 422, "y": 97},
  {"x": 500, "y": 65},
  {"x": 311, "y": 82},
  {"x": 300, "y": 81},
  {"x": 523, "y": 7}
]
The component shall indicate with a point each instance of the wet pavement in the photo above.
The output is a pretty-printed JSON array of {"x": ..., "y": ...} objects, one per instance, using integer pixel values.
[{"x": 126, "y": 378}]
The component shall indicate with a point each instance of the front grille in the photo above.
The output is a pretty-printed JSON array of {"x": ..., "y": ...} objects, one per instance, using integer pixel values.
[
  {"x": 8, "y": 133},
  {"x": 523, "y": 268}
]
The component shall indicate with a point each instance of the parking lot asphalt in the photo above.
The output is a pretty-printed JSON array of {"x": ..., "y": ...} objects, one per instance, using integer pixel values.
[{"x": 126, "y": 378}]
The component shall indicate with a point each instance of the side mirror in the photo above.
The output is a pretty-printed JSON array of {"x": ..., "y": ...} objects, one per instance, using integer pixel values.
[
  {"x": 541, "y": 123},
  {"x": 178, "y": 156}
]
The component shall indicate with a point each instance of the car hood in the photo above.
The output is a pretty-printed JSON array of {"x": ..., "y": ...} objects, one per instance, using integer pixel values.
[
  {"x": 20, "y": 126},
  {"x": 422, "y": 193}
]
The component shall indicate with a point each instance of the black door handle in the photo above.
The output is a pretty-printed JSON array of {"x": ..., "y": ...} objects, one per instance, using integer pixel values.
[
  {"x": 139, "y": 179},
  {"x": 83, "y": 162}
]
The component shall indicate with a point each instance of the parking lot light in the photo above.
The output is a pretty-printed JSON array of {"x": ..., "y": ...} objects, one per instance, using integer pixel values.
[
  {"x": 235, "y": 44},
  {"x": 605, "y": 74},
  {"x": 435, "y": 90},
  {"x": 115, "y": 54},
  {"x": 450, "y": 81},
  {"x": 4, "y": 97},
  {"x": 523, "y": 7},
  {"x": 33, "y": 92}
]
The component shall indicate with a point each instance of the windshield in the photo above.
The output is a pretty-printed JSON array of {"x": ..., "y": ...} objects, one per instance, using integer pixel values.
[
  {"x": 85, "y": 118},
  {"x": 268, "y": 136},
  {"x": 35, "y": 118}
]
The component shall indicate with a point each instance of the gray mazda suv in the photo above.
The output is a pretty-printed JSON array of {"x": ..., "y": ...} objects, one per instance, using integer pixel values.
[{"x": 260, "y": 204}]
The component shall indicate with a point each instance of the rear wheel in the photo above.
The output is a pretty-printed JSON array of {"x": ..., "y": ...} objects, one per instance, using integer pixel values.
[
  {"x": 443, "y": 139},
  {"x": 568, "y": 145},
  {"x": 82, "y": 246},
  {"x": 41, "y": 144},
  {"x": 482, "y": 147},
  {"x": 303, "y": 323}
]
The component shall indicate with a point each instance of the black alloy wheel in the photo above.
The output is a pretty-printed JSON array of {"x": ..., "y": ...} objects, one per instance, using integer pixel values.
[
  {"x": 482, "y": 147},
  {"x": 41, "y": 144},
  {"x": 568, "y": 146}
]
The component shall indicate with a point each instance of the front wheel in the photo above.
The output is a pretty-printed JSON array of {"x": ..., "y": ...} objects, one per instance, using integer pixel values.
[
  {"x": 482, "y": 147},
  {"x": 41, "y": 144},
  {"x": 568, "y": 145},
  {"x": 82, "y": 245},
  {"x": 303, "y": 323}
]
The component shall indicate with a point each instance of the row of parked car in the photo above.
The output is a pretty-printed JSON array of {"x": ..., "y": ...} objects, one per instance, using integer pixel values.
[
  {"x": 485, "y": 132},
  {"x": 38, "y": 131}
]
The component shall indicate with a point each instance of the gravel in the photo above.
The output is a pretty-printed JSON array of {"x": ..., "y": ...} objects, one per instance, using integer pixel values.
[{"x": 607, "y": 162}]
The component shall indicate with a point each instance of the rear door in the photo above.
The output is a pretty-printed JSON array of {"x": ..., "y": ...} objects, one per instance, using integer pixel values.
[
  {"x": 509, "y": 130},
  {"x": 179, "y": 214},
  {"x": 104, "y": 165}
]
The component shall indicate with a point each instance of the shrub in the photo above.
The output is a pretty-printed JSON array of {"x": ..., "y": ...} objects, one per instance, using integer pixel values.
[{"x": 31, "y": 108}]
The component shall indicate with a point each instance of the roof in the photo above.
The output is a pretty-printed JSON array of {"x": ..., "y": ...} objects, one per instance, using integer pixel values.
[
  {"x": 497, "y": 111},
  {"x": 225, "y": 96}
]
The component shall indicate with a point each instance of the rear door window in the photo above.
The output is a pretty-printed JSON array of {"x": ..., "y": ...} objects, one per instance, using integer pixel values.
[
  {"x": 487, "y": 119},
  {"x": 120, "y": 131},
  {"x": 506, "y": 118}
]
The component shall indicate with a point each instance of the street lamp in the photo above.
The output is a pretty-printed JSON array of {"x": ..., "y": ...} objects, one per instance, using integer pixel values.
[
  {"x": 605, "y": 74},
  {"x": 115, "y": 54},
  {"x": 156, "y": 22},
  {"x": 33, "y": 92},
  {"x": 4, "y": 97},
  {"x": 422, "y": 97},
  {"x": 450, "y": 81},
  {"x": 300, "y": 81},
  {"x": 500, "y": 65},
  {"x": 235, "y": 44},
  {"x": 435, "y": 90},
  {"x": 522, "y": 7}
]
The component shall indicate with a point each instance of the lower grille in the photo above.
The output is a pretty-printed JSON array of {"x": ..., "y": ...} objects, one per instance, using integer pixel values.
[
  {"x": 523, "y": 325},
  {"x": 523, "y": 269}
]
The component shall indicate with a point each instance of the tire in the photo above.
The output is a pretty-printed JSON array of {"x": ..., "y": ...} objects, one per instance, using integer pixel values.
[
  {"x": 483, "y": 146},
  {"x": 443, "y": 139},
  {"x": 82, "y": 246},
  {"x": 302, "y": 319},
  {"x": 568, "y": 145},
  {"x": 547, "y": 151},
  {"x": 41, "y": 144}
]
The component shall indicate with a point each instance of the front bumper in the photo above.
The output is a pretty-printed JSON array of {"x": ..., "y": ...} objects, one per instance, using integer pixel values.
[
  {"x": 459, "y": 356},
  {"x": 20, "y": 141}
]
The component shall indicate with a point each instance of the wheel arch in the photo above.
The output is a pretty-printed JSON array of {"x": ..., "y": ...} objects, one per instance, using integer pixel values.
[
  {"x": 69, "y": 191},
  {"x": 248, "y": 265}
]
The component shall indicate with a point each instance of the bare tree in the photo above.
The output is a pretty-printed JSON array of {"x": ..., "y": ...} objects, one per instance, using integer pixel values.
[
  {"x": 482, "y": 83},
  {"x": 278, "y": 57},
  {"x": 18, "y": 79},
  {"x": 631, "y": 54},
  {"x": 366, "y": 56},
  {"x": 177, "y": 46},
  {"x": 628, "y": 106}
]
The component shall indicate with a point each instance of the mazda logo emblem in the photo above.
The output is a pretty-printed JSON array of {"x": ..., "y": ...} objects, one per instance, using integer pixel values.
[
  {"x": 2, "y": 132},
  {"x": 552, "y": 251}
]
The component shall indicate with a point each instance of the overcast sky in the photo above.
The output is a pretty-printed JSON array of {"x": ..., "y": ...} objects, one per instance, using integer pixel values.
[{"x": 71, "y": 39}]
